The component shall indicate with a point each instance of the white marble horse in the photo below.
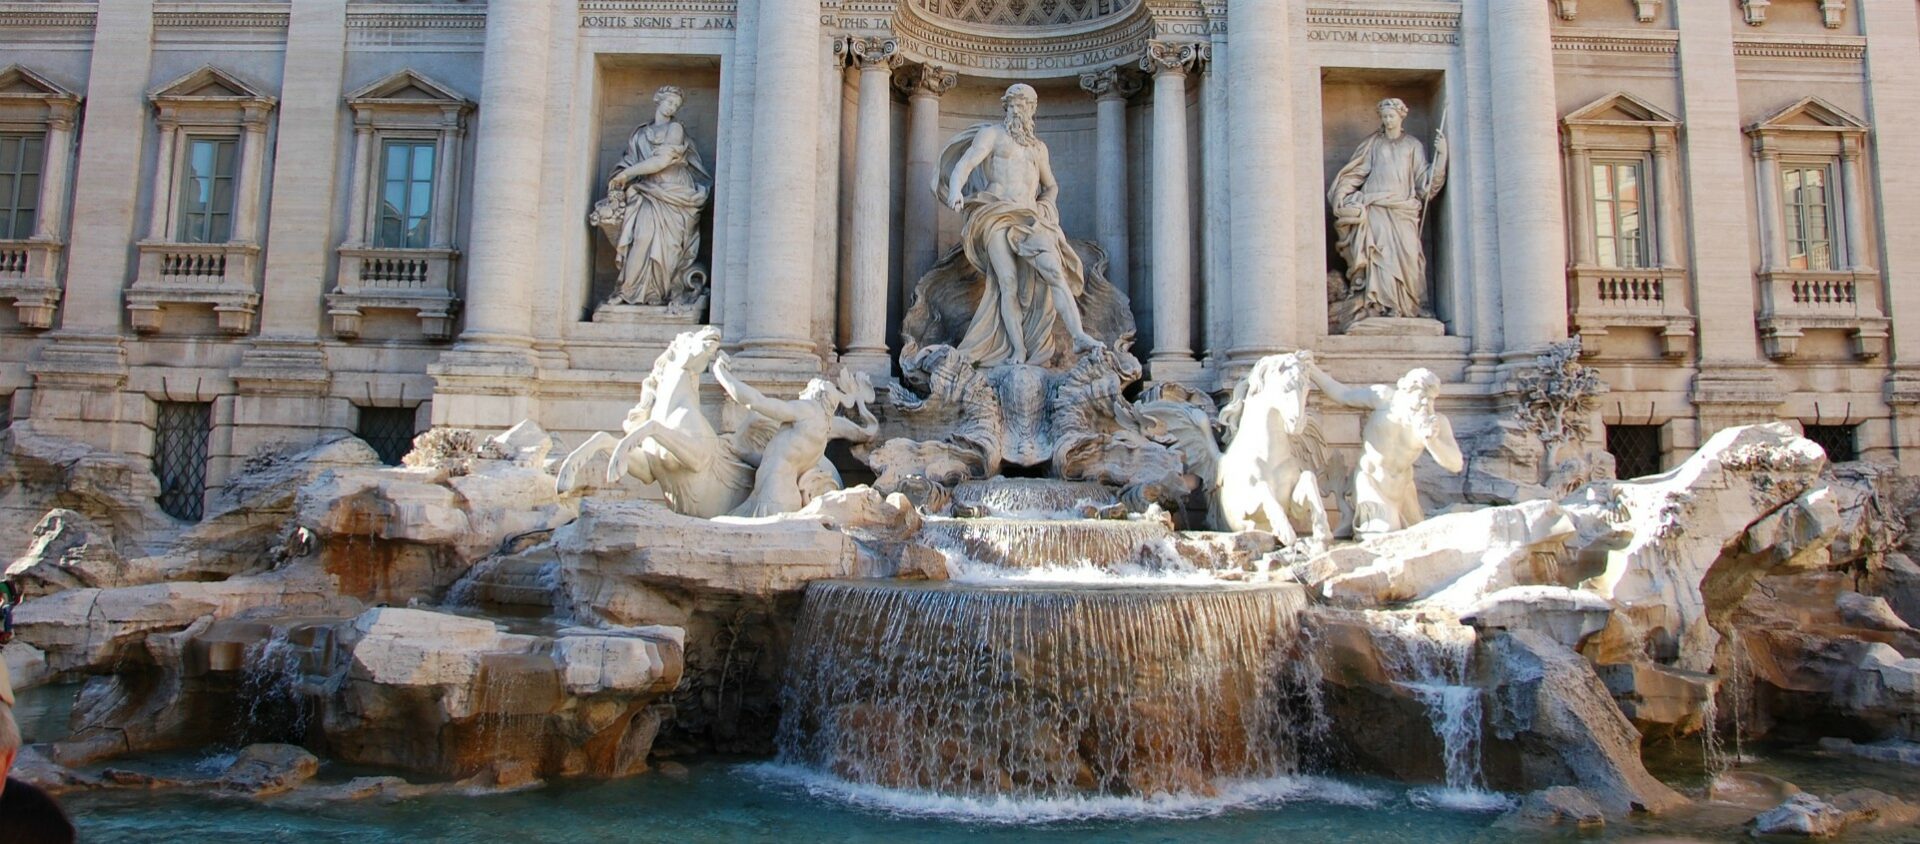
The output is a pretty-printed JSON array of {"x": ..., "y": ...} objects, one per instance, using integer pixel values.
[
  {"x": 1267, "y": 479},
  {"x": 669, "y": 440}
]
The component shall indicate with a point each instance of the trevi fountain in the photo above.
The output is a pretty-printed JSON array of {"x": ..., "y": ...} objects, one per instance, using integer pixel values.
[{"x": 1265, "y": 496}]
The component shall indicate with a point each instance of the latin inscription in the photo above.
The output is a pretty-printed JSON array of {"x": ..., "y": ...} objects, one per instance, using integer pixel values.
[{"x": 654, "y": 22}]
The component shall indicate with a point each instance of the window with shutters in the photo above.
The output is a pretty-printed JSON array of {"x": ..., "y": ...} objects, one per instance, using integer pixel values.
[
  {"x": 37, "y": 121},
  {"x": 20, "y": 159},
  {"x": 206, "y": 191}
]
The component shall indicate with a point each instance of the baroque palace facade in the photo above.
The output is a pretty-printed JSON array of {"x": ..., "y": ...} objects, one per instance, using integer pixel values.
[{"x": 229, "y": 225}]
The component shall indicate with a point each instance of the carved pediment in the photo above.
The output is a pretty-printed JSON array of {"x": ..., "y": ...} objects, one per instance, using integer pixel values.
[
  {"x": 17, "y": 81},
  {"x": 1811, "y": 113},
  {"x": 210, "y": 83},
  {"x": 1621, "y": 107},
  {"x": 408, "y": 86}
]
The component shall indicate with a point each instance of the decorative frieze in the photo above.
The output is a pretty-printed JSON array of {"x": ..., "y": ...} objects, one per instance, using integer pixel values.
[
  {"x": 220, "y": 20},
  {"x": 42, "y": 18},
  {"x": 1116, "y": 38}
]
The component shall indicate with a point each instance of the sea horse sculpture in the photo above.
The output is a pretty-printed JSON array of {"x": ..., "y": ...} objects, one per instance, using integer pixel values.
[
  {"x": 1267, "y": 478},
  {"x": 669, "y": 440}
]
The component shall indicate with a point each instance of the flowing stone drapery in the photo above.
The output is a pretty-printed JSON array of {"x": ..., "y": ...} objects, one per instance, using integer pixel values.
[
  {"x": 1261, "y": 238},
  {"x": 920, "y": 239},
  {"x": 776, "y": 333},
  {"x": 1110, "y": 88},
  {"x": 1172, "y": 357},
  {"x": 652, "y": 210},
  {"x": 1532, "y": 227},
  {"x": 1379, "y": 201},
  {"x": 866, "y": 349}
]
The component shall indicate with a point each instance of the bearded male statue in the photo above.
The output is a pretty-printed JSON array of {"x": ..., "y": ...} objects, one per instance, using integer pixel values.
[
  {"x": 1403, "y": 423},
  {"x": 1000, "y": 177}
]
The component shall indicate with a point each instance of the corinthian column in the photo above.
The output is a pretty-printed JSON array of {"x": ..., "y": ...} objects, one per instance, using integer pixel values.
[
  {"x": 776, "y": 333},
  {"x": 1172, "y": 357},
  {"x": 1532, "y": 233},
  {"x": 504, "y": 251},
  {"x": 920, "y": 241},
  {"x": 1259, "y": 80},
  {"x": 1110, "y": 89},
  {"x": 866, "y": 350}
]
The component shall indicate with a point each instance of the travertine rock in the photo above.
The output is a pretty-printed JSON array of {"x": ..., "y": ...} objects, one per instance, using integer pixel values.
[
  {"x": 1561, "y": 805},
  {"x": 1555, "y": 716},
  {"x": 1750, "y": 788},
  {"x": 1448, "y": 561},
  {"x": 1565, "y": 615},
  {"x": 1801, "y": 815},
  {"x": 1665, "y": 569},
  {"x": 266, "y": 769}
]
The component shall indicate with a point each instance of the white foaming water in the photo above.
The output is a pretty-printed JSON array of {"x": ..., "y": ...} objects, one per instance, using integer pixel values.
[
  {"x": 1231, "y": 795},
  {"x": 964, "y": 570},
  {"x": 1430, "y": 660}
]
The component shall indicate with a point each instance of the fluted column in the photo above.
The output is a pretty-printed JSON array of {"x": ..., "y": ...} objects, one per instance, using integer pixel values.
[
  {"x": 161, "y": 214},
  {"x": 253, "y": 164},
  {"x": 1532, "y": 226},
  {"x": 1259, "y": 79},
  {"x": 53, "y": 177},
  {"x": 1667, "y": 194},
  {"x": 504, "y": 248},
  {"x": 1172, "y": 357},
  {"x": 1110, "y": 88},
  {"x": 1851, "y": 191},
  {"x": 1773, "y": 238},
  {"x": 874, "y": 58},
  {"x": 920, "y": 237},
  {"x": 783, "y": 195}
]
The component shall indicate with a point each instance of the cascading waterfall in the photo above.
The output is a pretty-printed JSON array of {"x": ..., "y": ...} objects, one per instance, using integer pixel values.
[
  {"x": 1430, "y": 659},
  {"x": 1043, "y": 691},
  {"x": 998, "y": 546},
  {"x": 270, "y": 686},
  {"x": 1032, "y": 497}
]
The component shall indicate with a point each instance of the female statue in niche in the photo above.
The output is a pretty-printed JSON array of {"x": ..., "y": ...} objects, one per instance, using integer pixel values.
[
  {"x": 1379, "y": 202},
  {"x": 651, "y": 213}
]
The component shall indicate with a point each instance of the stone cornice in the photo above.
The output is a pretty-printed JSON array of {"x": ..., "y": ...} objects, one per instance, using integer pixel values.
[
  {"x": 380, "y": 16},
  {"x": 1642, "y": 43},
  {"x": 1835, "y": 48},
  {"x": 201, "y": 17},
  {"x": 40, "y": 16},
  {"x": 658, "y": 14}
]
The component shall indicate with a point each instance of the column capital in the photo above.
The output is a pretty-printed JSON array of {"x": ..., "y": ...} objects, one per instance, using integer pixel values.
[
  {"x": 925, "y": 79},
  {"x": 1110, "y": 83},
  {"x": 1180, "y": 57},
  {"x": 868, "y": 53}
]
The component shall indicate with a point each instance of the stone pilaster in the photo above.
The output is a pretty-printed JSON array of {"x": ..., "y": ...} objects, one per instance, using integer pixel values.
[
  {"x": 1259, "y": 78},
  {"x": 485, "y": 381},
  {"x": 1110, "y": 88},
  {"x": 920, "y": 239},
  {"x": 1532, "y": 226},
  {"x": 775, "y": 335},
  {"x": 1732, "y": 386},
  {"x": 1173, "y": 312},
  {"x": 865, "y": 350},
  {"x": 283, "y": 377},
  {"x": 78, "y": 378},
  {"x": 1893, "y": 96}
]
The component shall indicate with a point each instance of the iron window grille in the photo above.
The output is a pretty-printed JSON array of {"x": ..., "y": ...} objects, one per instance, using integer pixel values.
[
  {"x": 1838, "y": 440},
  {"x": 180, "y": 457},
  {"x": 389, "y": 430},
  {"x": 1635, "y": 450}
]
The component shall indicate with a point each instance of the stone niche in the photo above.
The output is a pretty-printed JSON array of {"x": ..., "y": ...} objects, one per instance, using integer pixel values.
[
  {"x": 623, "y": 100},
  {"x": 1349, "y": 102}
]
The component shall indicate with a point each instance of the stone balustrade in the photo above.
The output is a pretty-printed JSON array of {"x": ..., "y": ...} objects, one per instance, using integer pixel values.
[
  {"x": 1794, "y": 301},
  {"x": 217, "y": 274},
  {"x": 28, "y": 275},
  {"x": 1616, "y": 297},
  {"x": 418, "y": 280}
]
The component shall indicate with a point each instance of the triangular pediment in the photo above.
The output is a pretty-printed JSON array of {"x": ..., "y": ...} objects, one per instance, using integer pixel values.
[
  {"x": 1811, "y": 113},
  {"x": 17, "y": 81},
  {"x": 1621, "y": 107},
  {"x": 209, "y": 82},
  {"x": 408, "y": 85}
]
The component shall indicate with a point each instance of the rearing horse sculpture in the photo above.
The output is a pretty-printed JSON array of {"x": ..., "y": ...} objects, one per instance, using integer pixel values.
[
  {"x": 669, "y": 440},
  {"x": 1267, "y": 479}
]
